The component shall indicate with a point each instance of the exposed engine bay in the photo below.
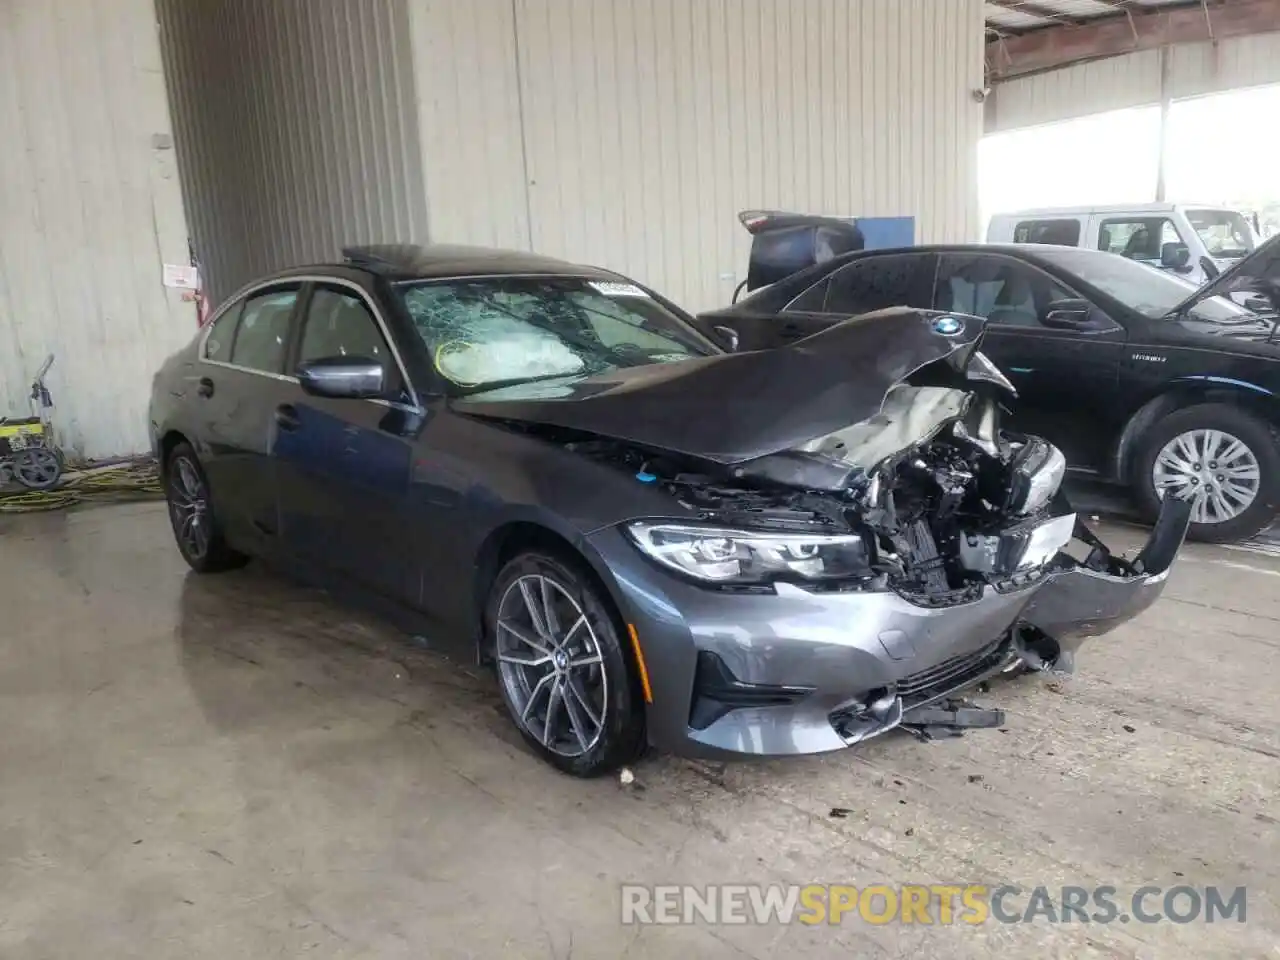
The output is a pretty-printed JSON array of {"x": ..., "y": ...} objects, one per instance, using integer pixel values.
[
  {"x": 937, "y": 499},
  {"x": 868, "y": 456},
  {"x": 855, "y": 491}
]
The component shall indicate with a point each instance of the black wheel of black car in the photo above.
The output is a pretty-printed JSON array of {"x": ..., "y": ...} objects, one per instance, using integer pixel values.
[
  {"x": 1223, "y": 459},
  {"x": 195, "y": 527},
  {"x": 564, "y": 673}
]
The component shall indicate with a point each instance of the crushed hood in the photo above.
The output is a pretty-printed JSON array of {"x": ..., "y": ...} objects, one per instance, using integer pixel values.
[
  {"x": 735, "y": 407},
  {"x": 1258, "y": 272}
]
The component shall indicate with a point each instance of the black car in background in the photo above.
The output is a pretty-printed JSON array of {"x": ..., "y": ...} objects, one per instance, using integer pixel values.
[{"x": 1138, "y": 376}]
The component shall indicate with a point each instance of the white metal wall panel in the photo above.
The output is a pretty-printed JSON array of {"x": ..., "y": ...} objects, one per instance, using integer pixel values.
[
  {"x": 629, "y": 133},
  {"x": 297, "y": 133},
  {"x": 1201, "y": 68},
  {"x": 90, "y": 209},
  {"x": 469, "y": 101},
  {"x": 1194, "y": 69},
  {"x": 1079, "y": 91}
]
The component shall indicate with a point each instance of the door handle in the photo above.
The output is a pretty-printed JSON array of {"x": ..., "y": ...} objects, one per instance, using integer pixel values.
[
  {"x": 205, "y": 387},
  {"x": 287, "y": 417}
]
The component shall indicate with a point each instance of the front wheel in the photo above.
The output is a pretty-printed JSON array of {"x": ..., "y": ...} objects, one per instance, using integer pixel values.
[
  {"x": 1224, "y": 460},
  {"x": 564, "y": 673}
]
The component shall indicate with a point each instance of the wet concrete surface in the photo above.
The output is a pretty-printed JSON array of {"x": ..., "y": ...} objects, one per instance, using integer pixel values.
[{"x": 235, "y": 766}]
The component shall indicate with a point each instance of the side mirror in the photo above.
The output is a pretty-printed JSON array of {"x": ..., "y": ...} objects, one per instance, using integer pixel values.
[
  {"x": 1269, "y": 291},
  {"x": 1070, "y": 315},
  {"x": 343, "y": 378},
  {"x": 1175, "y": 256},
  {"x": 729, "y": 336}
]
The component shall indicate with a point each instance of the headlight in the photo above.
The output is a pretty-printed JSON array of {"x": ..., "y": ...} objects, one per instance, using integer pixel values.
[
  {"x": 1038, "y": 470},
  {"x": 718, "y": 555}
]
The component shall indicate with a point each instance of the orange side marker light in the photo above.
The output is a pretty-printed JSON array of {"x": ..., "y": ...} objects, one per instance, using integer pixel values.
[{"x": 644, "y": 671}]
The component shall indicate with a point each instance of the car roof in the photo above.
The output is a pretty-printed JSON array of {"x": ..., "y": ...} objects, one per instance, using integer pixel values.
[
  {"x": 1012, "y": 249},
  {"x": 398, "y": 262},
  {"x": 1085, "y": 211},
  {"x": 1040, "y": 253}
]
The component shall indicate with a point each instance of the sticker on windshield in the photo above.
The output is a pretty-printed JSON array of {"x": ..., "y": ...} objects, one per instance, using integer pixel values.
[{"x": 612, "y": 288}]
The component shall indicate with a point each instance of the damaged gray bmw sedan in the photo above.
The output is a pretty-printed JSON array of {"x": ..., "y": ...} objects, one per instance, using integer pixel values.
[{"x": 547, "y": 468}]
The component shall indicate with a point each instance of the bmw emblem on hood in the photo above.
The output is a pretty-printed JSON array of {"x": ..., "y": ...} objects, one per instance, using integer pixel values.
[{"x": 948, "y": 326}]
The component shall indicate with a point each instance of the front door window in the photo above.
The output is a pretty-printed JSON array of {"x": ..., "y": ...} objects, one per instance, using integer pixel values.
[
  {"x": 1005, "y": 291},
  {"x": 1138, "y": 238}
]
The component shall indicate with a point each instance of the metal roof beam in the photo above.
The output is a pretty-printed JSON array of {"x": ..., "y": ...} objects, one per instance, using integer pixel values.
[
  {"x": 1049, "y": 48},
  {"x": 1032, "y": 9}
]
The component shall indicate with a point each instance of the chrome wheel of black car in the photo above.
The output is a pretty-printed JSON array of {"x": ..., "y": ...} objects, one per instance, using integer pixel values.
[
  {"x": 550, "y": 664},
  {"x": 189, "y": 508},
  {"x": 1224, "y": 459},
  {"x": 1216, "y": 471}
]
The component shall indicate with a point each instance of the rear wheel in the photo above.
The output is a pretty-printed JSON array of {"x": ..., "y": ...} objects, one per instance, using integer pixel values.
[
  {"x": 1221, "y": 458},
  {"x": 564, "y": 673},
  {"x": 195, "y": 528}
]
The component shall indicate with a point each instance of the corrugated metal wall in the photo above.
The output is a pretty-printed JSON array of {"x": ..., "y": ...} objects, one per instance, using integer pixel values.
[
  {"x": 1200, "y": 68},
  {"x": 1078, "y": 91},
  {"x": 470, "y": 121},
  {"x": 90, "y": 209},
  {"x": 297, "y": 132},
  {"x": 1194, "y": 69},
  {"x": 630, "y": 133},
  {"x": 622, "y": 132}
]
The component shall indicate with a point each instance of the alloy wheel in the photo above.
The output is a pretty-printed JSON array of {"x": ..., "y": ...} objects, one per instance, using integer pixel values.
[
  {"x": 550, "y": 665},
  {"x": 189, "y": 508},
  {"x": 1216, "y": 471}
]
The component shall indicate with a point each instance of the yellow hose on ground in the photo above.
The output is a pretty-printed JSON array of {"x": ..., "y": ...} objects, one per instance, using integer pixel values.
[{"x": 119, "y": 483}]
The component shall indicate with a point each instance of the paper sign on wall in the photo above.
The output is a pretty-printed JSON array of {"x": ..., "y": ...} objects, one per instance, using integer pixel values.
[{"x": 181, "y": 276}]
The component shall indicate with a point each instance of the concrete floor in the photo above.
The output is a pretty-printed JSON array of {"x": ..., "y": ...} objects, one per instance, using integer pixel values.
[{"x": 236, "y": 767}]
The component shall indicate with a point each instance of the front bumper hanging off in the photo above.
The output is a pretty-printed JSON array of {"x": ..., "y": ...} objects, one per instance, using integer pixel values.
[
  {"x": 796, "y": 671},
  {"x": 1093, "y": 598}
]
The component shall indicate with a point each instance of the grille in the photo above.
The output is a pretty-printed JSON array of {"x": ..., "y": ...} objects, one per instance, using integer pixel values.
[{"x": 950, "y": 674}]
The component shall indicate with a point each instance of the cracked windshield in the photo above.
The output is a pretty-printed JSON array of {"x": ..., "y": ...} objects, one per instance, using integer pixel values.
[{"x": 512, "y": 333}]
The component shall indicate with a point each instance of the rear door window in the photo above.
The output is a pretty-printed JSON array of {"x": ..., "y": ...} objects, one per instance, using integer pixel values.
[
  {"x": 1064, "y": 232},
  {"x": 871, "y": 283},
  {"x": 217, "y": 343}
]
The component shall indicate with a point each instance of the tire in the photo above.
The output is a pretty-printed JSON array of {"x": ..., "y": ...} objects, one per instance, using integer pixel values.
[
  {"x": 185, "y": 482},
  {"x": 604, "y": 687},
  {"x": 1262, "y": 444},
  {"x": 37, "y": 468}
]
